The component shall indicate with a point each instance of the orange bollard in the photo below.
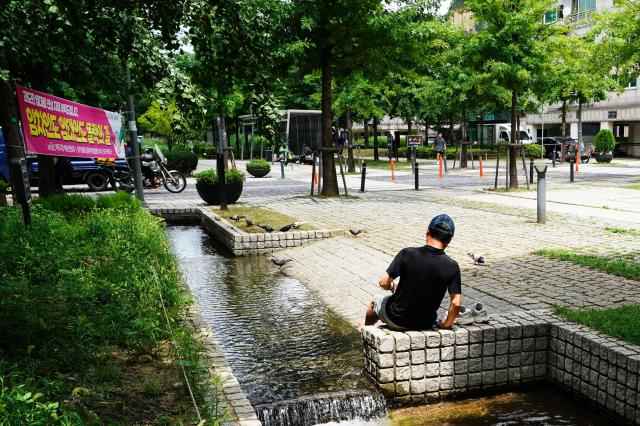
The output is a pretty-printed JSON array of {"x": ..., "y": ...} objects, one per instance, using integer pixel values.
[
  {"x": 577, "y": 159},
  {"x": 315, "y": 178},
  {"x": 393, "y": 169},
  {"x": 480, "y": 160},
  {"x": 440, "y": 166}
]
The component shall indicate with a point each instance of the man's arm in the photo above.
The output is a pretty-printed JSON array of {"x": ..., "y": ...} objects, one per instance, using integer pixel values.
[
  {"x": 386, "y": 281},
  {"x": 454, "y": 308}
]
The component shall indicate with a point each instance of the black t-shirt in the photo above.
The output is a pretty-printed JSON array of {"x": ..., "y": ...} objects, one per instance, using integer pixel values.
[{"x": 425, "y": 274}]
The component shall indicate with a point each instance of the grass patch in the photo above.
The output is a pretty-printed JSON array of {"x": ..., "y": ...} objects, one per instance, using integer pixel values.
[
  {"x": 623, "y": 265},
  {"x": 632, "y": 232},
  {"x": 622, "y": 322},
  {"x": 81, "y": 322},
  {"x": 260, "y": 215},
  {"x": 634, "y": 186}
]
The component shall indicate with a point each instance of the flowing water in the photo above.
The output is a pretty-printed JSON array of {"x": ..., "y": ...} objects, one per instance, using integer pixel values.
[
  {"x": 301, "y": 364},
  {"x": 293, "y": 357}
]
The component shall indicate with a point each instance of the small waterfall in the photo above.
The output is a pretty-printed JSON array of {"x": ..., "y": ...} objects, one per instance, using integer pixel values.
[{"x": 323, "y": 408}]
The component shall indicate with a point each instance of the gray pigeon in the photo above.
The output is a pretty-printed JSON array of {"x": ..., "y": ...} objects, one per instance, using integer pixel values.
[
  {"x": 356, "y": 232},
  {"x": 296, "y": 225},
  {"x": 249, "y": 222},
  {"x": 236, "y": 217},
  {"x": 477, "y": 259},
  {"x": 285, "y": 228},
  {"x": 266, "y": 227},
  {"x": 280, "y": 262}
]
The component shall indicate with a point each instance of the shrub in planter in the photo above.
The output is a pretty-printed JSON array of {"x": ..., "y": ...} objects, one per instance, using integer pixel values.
[
  {"x": 210, "y": 190},
  {"x": 183, "y": 161},
  {"x": 258, "y": 167},
  {"x": 533, "y": 150},
  {"x": 604, "y": 144}
]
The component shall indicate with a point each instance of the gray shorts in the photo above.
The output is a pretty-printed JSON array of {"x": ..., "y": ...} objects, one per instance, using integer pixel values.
[{"x": 379, "y": 308}]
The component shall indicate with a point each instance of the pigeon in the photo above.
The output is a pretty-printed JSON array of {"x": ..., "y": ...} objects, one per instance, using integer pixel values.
[
  {"x": 266, "y": 227},
  {"x": 249, "y": 222},
  {"x": 280, "y": 262},
  {"x": 285, "y": 228},
  {"x": 477, "y": 259},
  {"x": 236, "y": 217},
  {"x": 296, "y": 225},
  {"x": 356, "y": 232}
]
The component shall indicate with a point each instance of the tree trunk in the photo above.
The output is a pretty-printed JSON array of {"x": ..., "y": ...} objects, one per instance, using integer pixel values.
[
  {"x": 351, "y": 165},
  {"x": 366, "y": 133},
  {"x": 426, "y": 132},
  {"x": 579, "y": 128},
  {"x": 463, "y": 153},
  {"x": 9, "y": 122},
  {"x": 329, "y": 178},
  {"x": 451, "y": 138},
  {"x": 481, "y": 130},
  {"x": 222, "y": 141},
  {"x": 513, "y": 169},
  {"x": 408, "y": 126},
  {"x": 376, "y": 155}
]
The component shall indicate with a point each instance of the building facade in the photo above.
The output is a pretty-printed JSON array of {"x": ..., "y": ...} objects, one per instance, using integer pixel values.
[{"x": 620, "y": 112}]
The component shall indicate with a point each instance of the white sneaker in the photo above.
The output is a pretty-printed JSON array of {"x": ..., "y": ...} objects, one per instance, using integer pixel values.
[
  {"x": 479, "y": 313},
  {"x": 464, "y": 316}
]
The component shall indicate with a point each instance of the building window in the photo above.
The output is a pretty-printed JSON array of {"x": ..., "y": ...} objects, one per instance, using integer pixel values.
[
  {"x": 580, "y": 6},
  {"x": 613, "y": 115},
  {"x": 553, "y": 15}
]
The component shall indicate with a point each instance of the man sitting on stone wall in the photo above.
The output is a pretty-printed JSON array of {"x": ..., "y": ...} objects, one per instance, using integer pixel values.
[{"x": 425, "y": 274}]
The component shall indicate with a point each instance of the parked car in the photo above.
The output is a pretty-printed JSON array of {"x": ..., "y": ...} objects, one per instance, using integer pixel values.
[
  {"x": 83, "y": 170},
  {"x": 552, "y": 146}
]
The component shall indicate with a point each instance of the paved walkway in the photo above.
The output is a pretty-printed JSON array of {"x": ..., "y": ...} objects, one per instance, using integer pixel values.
[{"x": 344, "y": 271}]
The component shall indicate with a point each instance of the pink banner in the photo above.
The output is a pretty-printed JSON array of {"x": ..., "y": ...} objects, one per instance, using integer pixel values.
[{"x": 55, "y": 126}]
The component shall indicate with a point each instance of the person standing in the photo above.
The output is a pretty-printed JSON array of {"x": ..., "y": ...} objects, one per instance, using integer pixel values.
[{"x": 440, "y": 147}]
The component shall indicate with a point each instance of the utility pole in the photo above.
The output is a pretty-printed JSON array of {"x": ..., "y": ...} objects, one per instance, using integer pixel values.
[{"x": 133, "y": 138}]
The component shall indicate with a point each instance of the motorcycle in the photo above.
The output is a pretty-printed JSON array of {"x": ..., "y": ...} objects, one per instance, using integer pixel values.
[{"x": 155, "y": 172}]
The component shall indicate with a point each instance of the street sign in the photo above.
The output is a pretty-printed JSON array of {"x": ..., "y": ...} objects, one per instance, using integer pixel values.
[{"x": 414, "y": 140}]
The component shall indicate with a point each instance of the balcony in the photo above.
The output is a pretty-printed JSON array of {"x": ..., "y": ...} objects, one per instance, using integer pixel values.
[{"x": 579, "y": 20}]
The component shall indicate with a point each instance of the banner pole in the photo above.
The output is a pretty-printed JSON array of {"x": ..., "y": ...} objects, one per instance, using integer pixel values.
[{"x": 133, "y": 138}]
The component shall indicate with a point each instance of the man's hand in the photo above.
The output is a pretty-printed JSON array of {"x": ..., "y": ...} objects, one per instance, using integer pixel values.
[
  {"x": 454, "y": 308},
  {"x": 386, "y": 282}
]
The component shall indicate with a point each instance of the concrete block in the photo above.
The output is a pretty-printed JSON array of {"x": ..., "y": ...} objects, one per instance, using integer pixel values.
[
  {"x": 461, "y": 366},
  {"x": 432, "y": 369},
  {"x": 475, "y": 365},
  {"x": 528, "y": 358},
  {"x": 446, "y": 368},
  {"x": 488, "y": 378},
  {"x": 403, "y": 359},
  {"x": 502, "y": 375},
  {"x": 385, "y": 360},
  {"x": 432, "y": 384},
  {"x": 460, "y": 381},
  {"x": 488, "y": 348},
  {"x": 515, "y": 346},
  {"x": 402, "y": 373},
  {"x": 502, "y": 347},
  {"x": 502, "y": 361},
  {"x": 502, "y": 332},
  {"x": 475, "y": 350},
  {"x": 446, "y": 353},
  {"x": 475, "y": 334},
  {"x": 432, "y": 338},
  {"x": 462, "y": 351},
  {"x": 403, "y": 388},
  {"x": 418, "y": 386},
  {"x": 446, "y": 382},
  {"x": 417, "y": 339},
  {"x": 417, "y": 371},
  {"x": 475, "y": 379},
  {"x": 385, "y": 375},
  {"x": 447, "y": 337},
  {"x": 462, "y": 336},
  {"x": 515, "y": 374},
  {"x": 528, "y": 344},
  {"x": 433, "y": 355},
  {"x": 488, "y": 363},
  {"x": 515, "y": 332},
  {"x": 418, "y": 356},
  {"x": 488, "y": 333}
]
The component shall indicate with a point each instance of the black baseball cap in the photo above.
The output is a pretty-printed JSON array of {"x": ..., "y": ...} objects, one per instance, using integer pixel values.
[{"x": 443, "y": 223}]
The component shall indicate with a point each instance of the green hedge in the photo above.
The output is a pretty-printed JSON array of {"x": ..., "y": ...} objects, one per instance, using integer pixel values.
[
  {"x": 533, "y": 150},
  {"x": 74, "y": 286},
  {"x": 258, "y": 163},
  {"x": 183, "y": 161},
  {"x": 429, "y": 152},
  {"x": 211, "y": 176},
  {"x": 604, "y": 141}
]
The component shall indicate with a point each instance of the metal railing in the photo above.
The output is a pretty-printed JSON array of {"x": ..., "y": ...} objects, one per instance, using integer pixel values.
[{"x": 579, "y": 20}]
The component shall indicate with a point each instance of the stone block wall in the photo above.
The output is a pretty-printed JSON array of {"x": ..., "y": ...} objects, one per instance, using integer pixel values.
[
  {"x": 242, "y": 243},
  {"x": 602, "y": 369},
  {"x": 429, "y": 365},
  {"x": 417, "y": 366}
]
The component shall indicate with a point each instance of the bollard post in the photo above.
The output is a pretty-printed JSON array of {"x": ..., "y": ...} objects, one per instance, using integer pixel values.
[
  {"x": 571, "y": 170},
  {"x": 542, "y": 195},
  {"x": 417, "y": 178},
  {"x": 480, "y": 162},
  {"x": 393, "y": 170},
  {"x": 363, "y": 177},
  {"x": 439, "y": 166},
  {"x": 314, "y": 178},
  {"x": 553, "y": 157},
  {"x": 577, "y": 159},
  {"x": 531, "y": 170},
  {"x": 282, "y": 169}
]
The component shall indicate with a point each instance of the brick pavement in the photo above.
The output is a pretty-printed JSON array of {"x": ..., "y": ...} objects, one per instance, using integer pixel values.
[{"x": 344, "y": 271}]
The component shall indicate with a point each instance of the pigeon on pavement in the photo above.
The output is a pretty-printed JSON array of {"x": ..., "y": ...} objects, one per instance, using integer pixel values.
[
  {"x": 236, "y": 217},
  {"x": 266, "y": 227},
  {"x": 356, "y": 232},
  {"x": 280, "y": 262},
  {"x": 477, "y": 259}
]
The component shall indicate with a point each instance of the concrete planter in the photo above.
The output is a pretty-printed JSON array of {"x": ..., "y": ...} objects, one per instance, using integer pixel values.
[
  {"x": 210, "y": 193},
  {"x": 604, "y": 157}
]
